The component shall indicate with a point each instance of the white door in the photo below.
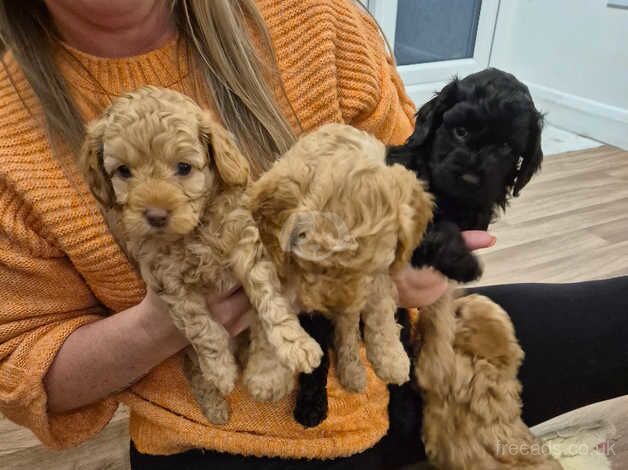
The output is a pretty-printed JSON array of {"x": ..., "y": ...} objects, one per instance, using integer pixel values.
[{"x": 434, "y": 40}]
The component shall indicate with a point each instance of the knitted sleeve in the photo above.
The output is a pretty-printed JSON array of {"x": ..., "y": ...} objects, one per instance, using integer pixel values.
[
  {"x": 370, "y": 91},
  {"x": 335, "y": 67},
  {"x": 43, "y": 300}
]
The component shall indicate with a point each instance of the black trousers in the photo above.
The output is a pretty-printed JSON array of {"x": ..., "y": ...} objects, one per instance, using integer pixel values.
[{"x": 575, "y": 337}]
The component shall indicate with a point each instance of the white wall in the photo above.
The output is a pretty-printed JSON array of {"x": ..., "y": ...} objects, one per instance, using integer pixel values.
[{"x": 574, "y": 56}]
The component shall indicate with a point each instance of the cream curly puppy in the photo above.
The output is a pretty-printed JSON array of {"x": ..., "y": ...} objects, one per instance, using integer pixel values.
[
  {"x": 336, "y": 220},
  {"x": 170, "y": 181},
  {"x": 467, "y": 371}
]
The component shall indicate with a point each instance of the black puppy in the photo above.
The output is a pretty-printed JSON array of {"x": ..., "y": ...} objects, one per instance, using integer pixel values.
[{"x": 475, "y": 144}]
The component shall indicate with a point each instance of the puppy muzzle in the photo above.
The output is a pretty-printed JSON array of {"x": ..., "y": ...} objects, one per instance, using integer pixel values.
[
  {"x": 156, "y": 216},
  {"x": 159, "y": 207}
]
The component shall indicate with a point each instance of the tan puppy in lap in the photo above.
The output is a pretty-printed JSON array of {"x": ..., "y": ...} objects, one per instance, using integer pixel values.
[
  {"x": 467, "y": 371},
  {"x": 170, "y": 181}
]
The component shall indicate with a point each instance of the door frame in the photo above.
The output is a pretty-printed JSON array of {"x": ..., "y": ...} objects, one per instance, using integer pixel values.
[{"x": 421, "y": 80}]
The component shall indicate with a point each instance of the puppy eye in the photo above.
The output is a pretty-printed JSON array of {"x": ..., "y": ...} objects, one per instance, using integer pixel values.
[
  {"x": 183, "y": 168},
  {"x": 461, "y": 132},
  {"x": 123, "y": 171}
]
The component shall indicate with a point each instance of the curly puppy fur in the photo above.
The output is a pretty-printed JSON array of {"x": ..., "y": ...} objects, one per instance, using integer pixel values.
[
  {"x": 335, "y": 220},
  {"x": 171, "y": 182},
  {"x": 468, "y": 376},
  {"x": 475, "y": 144}
]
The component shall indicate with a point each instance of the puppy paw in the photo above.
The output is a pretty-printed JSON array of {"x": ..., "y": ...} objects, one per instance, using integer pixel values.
[
  {"x": 444, "y": 249},
  {"x": 352, "y": 375},
  {"x": 392, "y": 366},
  {"x": 223, "y": 377},
  {"x": 269, "y": 385},
  {"x": 303, "y": 355},
  {"x": 466, "y": 268},
  {"x": 456, "y": 262},
  {"x": 225, "y": 381},
  {"x": 311, "y": 410},
  {"x": 216, "y": 411},
  {"x": 212, "y": 404}
]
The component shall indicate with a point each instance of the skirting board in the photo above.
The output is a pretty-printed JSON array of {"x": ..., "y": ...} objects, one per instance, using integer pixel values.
[
  {"x": 599, "y": 121},
  {"x": 582, "y": 116}
]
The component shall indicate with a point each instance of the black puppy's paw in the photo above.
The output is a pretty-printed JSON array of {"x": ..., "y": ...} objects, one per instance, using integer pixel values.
[
  {"x": 461, "y": 265},
  {"x": 444, "y": 249},
  {"x": 310, "y": 411}
]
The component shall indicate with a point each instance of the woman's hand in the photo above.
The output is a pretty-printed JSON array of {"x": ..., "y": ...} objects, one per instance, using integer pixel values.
[
  {"x": 422, "y": 287},
  {"x": 230, "y": 309}
]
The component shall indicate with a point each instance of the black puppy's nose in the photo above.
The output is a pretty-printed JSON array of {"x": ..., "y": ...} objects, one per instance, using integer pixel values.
[{"x": 156, "y": 217}]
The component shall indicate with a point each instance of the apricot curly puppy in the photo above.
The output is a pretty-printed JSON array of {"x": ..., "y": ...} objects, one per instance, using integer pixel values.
[
  {"x": 467, "y": 372},
  {"x": 170, "y": 181},
  {"x": 336, "y": 220}
]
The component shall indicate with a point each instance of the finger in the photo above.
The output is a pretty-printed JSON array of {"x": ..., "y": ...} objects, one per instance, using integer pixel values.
[
  {"x": 230, "y": 308},
  {"x": 476, "y": 239},
  {"x": 240, "y": 324},
  {"x": 419, "y": 287},
  {"x": 423, "y": 278},
  {"x": 423, "y": 297}
]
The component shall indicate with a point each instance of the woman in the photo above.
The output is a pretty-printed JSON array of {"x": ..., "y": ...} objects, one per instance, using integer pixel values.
[{"x": 78, "y": 332}]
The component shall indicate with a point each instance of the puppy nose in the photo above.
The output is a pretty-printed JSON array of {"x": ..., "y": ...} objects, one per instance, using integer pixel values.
[{"x": 156, "y": 217}]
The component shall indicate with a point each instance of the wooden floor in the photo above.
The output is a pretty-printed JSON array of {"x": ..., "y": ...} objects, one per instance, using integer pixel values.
[
  {"x": 20, "y": 450},
  {"x": 570, "y": 223}
]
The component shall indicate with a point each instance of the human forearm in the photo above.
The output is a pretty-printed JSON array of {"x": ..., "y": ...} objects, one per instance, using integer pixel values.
[{"x": 110, "y": 354}]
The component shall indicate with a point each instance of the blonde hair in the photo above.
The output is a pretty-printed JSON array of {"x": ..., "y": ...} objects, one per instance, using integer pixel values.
[{"x": 217, "y": 39}]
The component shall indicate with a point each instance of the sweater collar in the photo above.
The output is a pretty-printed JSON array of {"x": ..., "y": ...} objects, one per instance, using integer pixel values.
[{"x": 164, "y": 67}]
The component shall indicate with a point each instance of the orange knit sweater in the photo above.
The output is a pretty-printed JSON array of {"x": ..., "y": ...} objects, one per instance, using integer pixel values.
[{"x": 60, "y": 268}]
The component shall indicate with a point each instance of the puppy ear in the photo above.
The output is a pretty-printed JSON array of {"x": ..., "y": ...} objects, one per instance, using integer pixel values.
[
  {"x": 233, "y": 169},
  {"x": 269, "y": 199},
  {"x": 313, "y": 235},
  {"x": 91, "y": 163},
  {"x": 430, "y": 116},
  {"x": 532, "y": 157},
  {"x": 272, "y": 194},
  {"x": 415, "y": 214}
]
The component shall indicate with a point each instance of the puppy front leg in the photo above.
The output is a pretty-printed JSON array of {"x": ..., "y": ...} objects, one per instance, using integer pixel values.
[
  {"x": 434, "y": 367},
  {"x": 311, "y": 404},
  {"x": 212, "y": 404},
  {"x": 351, "y": 371},
  {"x": 265, "y": 376},
  {"x": 444, "y": 249},
  {"x": 381, "y": 334},
  {"x": 209, "y": 338},
  {"x": 294, "y": 347},
  {"x": 435, "y": 374}
]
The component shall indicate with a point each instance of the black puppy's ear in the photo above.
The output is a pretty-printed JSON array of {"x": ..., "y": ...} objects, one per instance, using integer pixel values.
[
  {"x": 430, "y": 116},
  {"x": 532, "y": 157}
]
